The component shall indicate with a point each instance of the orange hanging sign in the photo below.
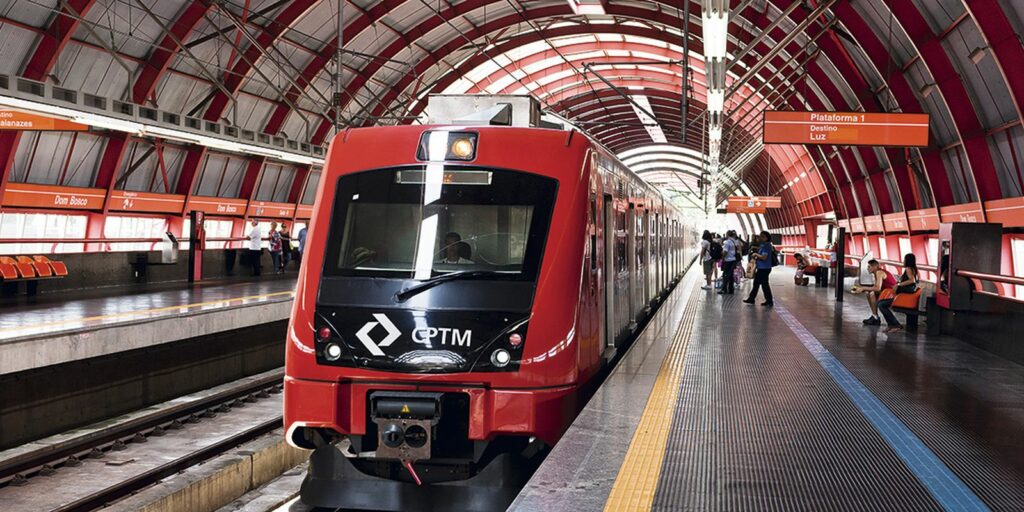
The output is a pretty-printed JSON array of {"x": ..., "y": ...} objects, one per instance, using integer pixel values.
[
  {"x": 21, "y": 121},
  {"x": 28, "y": 195},
  {"x": 845, "y": 128},
  {"x": 756, "y": 204},
  {"x": 269, "y": 209},
  {"x": 128, "y": 201},
  {"x": 217, "y": 205}
]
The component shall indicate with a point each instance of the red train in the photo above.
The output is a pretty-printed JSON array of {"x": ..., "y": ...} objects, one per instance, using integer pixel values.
[{"x": 461, "y": 288}]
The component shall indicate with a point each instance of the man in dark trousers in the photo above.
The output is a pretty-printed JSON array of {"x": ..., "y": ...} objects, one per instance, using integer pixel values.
[
  {"x": 730, "y": 257},
  {"x": 765, "y": 258}
]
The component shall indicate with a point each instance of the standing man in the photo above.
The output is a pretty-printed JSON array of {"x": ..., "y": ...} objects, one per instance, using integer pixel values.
[
  {"x": 730, "y": 250},
  {"x": 255, "y": 250},
  {"x": 302, "y": 243},
  {"x": 765, "y": 259}
]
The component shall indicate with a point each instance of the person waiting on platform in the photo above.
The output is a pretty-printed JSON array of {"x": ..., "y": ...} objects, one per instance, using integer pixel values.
[
  {"x": 799, "y": 278},
  {"x": 286, "y": 246},
  {"x": 275, "y": 247},
  {"x": 302, "y": 243},
  {"x": 706, "y": 259},
  {"x": 255, "y": 248},
  {"x": 907, "y": 284},
  {"x": 730, "y": 260},
  {"x": 765, "y": 259},
  {"x": 883, "y": 281}
]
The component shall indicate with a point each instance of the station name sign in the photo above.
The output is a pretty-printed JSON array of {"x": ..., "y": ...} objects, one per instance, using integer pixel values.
[
  {"x": 846, "y": 128},
  {"x": 22, "y": 121},
  {"x": 756, "y": 204}
]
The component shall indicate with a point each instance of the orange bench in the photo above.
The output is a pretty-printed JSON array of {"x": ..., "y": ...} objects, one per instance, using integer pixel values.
[
  {"x": 31, "y": 270},
  {"x": 909, "y": 304},
  {"x": 58, "y": 268}
]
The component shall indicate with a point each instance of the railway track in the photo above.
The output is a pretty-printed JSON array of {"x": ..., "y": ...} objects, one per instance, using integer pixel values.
[{"x": 65, "y": 457}]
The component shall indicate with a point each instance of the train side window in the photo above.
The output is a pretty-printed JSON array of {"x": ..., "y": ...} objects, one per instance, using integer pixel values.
[
  {"x": 592, "y": 225},
  {"x": 620, "y": 241}
]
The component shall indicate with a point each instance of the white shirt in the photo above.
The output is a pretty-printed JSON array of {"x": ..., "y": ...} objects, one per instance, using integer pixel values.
[
  {"x": 462, "y": 261},
  {"x": 254, "y": 239},
  {"x": 729, "y": 249},
  {"x": 705, "y": 249}
]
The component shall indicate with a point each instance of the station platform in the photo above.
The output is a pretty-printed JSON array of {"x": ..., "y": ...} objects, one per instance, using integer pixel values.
[
  {"x": 720, "y": 405},
  {"x": 49, "y": 332}
]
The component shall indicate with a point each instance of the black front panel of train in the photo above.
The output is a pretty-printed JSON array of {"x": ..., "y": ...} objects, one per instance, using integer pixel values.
[
  {"x": 412, "y": 341},
  {"x": 432, "y": 268}
]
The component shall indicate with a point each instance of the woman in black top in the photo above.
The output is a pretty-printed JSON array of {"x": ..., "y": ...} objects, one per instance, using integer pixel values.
[{"x": 907, "y": 284}]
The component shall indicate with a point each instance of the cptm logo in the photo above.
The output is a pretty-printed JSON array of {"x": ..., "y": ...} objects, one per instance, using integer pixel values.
[
  {"x": 364, "y": 334},
  {"x": 424, "y": 335}
]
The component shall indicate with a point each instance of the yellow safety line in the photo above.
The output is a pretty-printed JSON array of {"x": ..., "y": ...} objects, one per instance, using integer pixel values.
[
  {"x": 638, "y": 476},
  {"x": 144, "y": 311}
]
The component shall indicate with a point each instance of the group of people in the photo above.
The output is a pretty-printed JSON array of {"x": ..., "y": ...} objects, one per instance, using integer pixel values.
[
  {"x": 726, "y": 254},
  {"x": 886, "y": 287},
  {"x": 280, "y": 247}
]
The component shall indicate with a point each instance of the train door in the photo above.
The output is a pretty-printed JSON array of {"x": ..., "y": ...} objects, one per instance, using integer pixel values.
[
  {"x": 655, "y": 255},
  {"x": 675, "y": 249},
  {"x": 631, "y": 263},
  {"x": 609, "y": 274},
  {"x": 666, "y": 277},
  {"x": 647, "y": 256},
  {"x": 595, "y": 305}
]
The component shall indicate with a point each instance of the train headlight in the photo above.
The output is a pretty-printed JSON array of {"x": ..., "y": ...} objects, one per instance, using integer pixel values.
[
  {"x": 324, "y": 333},
  {"x": 441, "y": 145},
  {"x": 500, "y": 357},
  {"x": 332, "y": 351},
  {"x": 462, "y": 148}
]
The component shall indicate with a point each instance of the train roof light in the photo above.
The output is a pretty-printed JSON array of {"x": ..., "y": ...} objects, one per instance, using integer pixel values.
[{"x": 443, "y": 145}]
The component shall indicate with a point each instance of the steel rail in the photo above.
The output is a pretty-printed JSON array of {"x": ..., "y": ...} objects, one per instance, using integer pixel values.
[
  {"x": 49, "y": 457},
  {"x": 155, "y": 475}
]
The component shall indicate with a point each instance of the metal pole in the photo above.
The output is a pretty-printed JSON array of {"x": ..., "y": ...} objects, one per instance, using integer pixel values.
[
  {"x": 840, "y": 248},
  {"x": 338, "y": 69},
  {"x": 685, "y": 101}
]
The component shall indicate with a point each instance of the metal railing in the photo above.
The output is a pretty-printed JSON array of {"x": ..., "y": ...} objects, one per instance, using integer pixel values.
[
  {"x": 823, "y": 255},
  {"x": 976, "y": 277},
  {"x": 229, "y": 243}
]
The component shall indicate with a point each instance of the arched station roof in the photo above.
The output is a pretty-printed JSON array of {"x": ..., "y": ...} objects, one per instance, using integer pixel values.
[{"x": 268, "y": 66}]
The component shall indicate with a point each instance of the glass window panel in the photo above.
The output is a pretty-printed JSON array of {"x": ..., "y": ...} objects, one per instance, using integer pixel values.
[
  {"x": 40, "y": 225},
  {"x": 1017, "y": 246},
  {"x": 134, "y": 227}
]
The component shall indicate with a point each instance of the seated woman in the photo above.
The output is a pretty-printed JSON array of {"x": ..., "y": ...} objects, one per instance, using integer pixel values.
[
  {"x": 883, "y": 280},
  {"x": 907, "y": 284},
  {"x": 801, "y": 263}
]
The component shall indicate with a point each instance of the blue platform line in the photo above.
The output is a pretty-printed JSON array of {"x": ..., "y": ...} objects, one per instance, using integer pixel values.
[{"x": 947, "y": 488}]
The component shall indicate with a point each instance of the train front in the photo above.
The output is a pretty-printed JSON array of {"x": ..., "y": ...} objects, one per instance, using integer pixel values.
[{"x": 432, "y": 336}]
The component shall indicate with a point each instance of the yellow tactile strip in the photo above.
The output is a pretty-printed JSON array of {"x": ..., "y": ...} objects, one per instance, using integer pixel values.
[{"x": 638, "y": 476}]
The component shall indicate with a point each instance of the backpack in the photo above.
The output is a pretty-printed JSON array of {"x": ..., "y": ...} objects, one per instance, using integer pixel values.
[
  {"x": 775, "y": 257},
  {"x": 715, "y": 251}
]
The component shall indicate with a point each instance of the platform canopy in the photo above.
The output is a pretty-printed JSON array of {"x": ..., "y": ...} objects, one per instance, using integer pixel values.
[{"x": 269, "y": 66}]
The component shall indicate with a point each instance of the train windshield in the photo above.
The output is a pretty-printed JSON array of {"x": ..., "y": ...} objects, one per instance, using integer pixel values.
[{"x": 422, "y": 222}]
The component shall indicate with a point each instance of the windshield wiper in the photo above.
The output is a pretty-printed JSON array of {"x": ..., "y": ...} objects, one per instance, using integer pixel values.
[{"x": 404, "y": 295}]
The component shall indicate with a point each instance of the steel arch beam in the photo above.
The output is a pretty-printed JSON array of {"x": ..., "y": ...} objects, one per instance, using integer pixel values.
[
  {"x": 271, "y": 32},
  {"x": 160, "y": 58}
]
